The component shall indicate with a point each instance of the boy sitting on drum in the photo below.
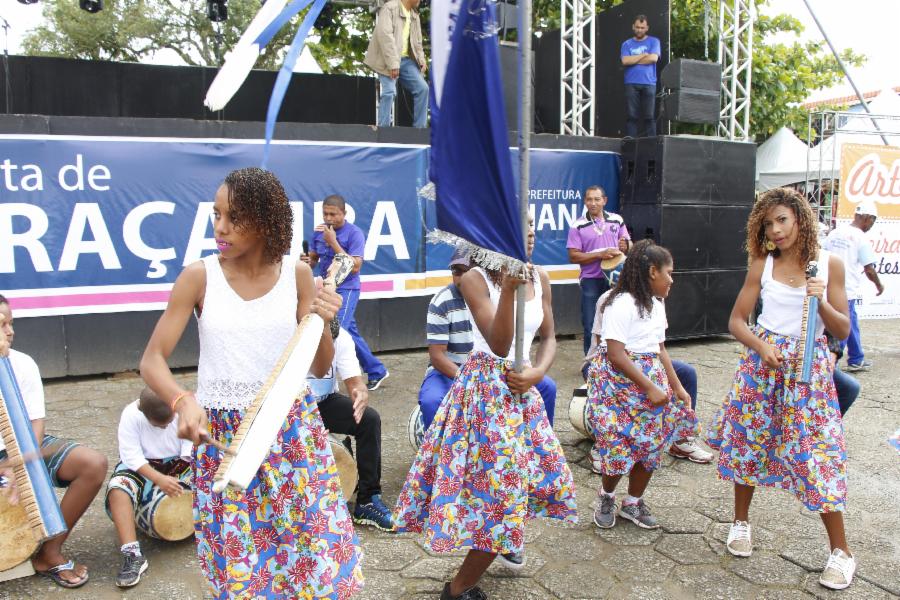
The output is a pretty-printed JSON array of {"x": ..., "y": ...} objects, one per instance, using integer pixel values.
[{"x": 153, "y": 462}]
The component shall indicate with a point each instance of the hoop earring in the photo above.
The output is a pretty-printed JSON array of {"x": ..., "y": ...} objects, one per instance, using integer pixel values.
[{"x": 770, "y": 246}]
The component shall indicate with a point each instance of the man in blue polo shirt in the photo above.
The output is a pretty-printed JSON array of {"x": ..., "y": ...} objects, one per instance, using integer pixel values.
[
  {"x": 639, "y": 56},
  {"x": 332, "y": 237}
]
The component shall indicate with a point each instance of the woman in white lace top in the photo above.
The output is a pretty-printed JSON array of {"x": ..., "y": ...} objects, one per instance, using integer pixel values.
[{"x": 284, "y": 536}]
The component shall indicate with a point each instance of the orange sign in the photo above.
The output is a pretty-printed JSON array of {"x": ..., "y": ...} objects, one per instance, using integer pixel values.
[{"x": 870, "y": 172}]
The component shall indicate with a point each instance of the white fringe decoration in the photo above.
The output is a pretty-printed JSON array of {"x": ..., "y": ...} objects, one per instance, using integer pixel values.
[
  {"x": 488, "y": 259},
  {"x": 428, "y": 191}
]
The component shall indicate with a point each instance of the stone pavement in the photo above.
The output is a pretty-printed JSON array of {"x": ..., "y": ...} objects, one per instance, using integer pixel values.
[{"x": 684, "y": 559}]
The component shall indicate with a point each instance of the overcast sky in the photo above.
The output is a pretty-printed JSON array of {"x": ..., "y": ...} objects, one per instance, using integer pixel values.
[{"x": 849, "y": 24}]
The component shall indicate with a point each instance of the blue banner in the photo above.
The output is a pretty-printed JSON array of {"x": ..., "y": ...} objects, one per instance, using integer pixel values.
[{"x": 106, "y": 224}]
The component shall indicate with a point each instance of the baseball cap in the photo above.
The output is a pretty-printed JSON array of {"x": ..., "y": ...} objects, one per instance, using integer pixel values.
[
  {"x": 461, "y": 257},
  {"x": 867, "y": 207}
]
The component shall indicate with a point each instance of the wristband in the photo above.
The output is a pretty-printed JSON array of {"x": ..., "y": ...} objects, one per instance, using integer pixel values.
[{"x": 178, "y": 399}]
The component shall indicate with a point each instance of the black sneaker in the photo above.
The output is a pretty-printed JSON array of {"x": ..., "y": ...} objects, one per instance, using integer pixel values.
[
  {"x": 374, "y": 384},
  {"x": 473, "y": 593},
  {"x": 132, "y": 569}
]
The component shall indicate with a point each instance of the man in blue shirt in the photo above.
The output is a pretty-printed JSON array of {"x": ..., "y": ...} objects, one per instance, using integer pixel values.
[
  {"x": 332, "y": 237},
  {"x": 639, "y": 57}
]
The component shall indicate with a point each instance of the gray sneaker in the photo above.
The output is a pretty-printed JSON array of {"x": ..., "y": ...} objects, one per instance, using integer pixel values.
[
  {"x": 605, "y": 513},
  {"x": 639, "y": 514}
]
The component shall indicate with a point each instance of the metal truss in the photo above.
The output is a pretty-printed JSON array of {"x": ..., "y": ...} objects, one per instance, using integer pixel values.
[
  {"x": 577, "y": 66},
  {"x": 736, "y": 21}
]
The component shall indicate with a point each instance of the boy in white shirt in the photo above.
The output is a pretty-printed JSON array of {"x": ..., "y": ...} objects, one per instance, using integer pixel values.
[{"x": 151, "y": 457}]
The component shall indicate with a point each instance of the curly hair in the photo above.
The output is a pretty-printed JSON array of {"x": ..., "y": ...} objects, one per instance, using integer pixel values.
[
  {"x": 635, "y": 276},
  {"x": 807, "y": 235},
  {"x": 257, "y": 202}
]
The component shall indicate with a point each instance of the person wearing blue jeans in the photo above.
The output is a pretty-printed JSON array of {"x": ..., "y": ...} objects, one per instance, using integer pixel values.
[
  {"x": 396, "y": 53},
  {"x": 846, "y": 386},
  {"x": 436, "y": 384},
  {"x": 688, "y": 448},
  {"x": 639, "y": 57}
]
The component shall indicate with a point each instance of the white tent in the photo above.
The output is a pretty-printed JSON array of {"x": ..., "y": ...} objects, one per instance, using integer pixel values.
[{"x": 780, "y": 160}]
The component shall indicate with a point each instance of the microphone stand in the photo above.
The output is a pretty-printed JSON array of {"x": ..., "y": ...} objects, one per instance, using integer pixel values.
[{"x": 6, "y": 28}]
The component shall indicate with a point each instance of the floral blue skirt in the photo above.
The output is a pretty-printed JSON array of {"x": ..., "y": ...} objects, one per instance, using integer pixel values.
[
  {"x": 489, "y": 462},
  {"x": 626, "y": 427},
  {"x": 288, "y": 535},
  {"x": 774, "y": 431}
]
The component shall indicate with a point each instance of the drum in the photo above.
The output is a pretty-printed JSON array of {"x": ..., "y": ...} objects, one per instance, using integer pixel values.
[
  {"x": 578, "y": 411},
  {"x": 17, "y": 541},
  {"x": 346, "y": 466},
  {"x": 165, "y": 518},
  {"x": 415, "y": 428},
  {"x": 612, "y": 268}
]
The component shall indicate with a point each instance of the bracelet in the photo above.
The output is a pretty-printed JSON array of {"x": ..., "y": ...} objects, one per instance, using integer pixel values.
[{"x": 178, "y": 398}]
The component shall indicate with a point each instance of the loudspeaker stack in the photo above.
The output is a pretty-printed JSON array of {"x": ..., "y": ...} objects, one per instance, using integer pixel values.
[
  {"x": 692, "y": 194},
  {"x": 691, "y": 91}
]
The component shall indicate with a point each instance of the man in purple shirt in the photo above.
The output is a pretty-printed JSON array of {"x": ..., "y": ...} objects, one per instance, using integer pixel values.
[
  {"x": 332, "y": 237},
  {"x": 639, "y": 57},
  {"x": 596, "y": 236}
]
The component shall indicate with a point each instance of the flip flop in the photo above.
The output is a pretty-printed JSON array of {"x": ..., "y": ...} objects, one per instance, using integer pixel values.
[{"x": 54, "y": 574}]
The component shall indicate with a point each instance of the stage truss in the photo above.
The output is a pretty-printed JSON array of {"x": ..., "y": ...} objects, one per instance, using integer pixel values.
[
  {"x": 736, "y": 22},
  {"x": 577, "y": 66}
]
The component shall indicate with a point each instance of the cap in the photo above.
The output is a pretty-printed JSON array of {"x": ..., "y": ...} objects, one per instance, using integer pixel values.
[
  {"x": 461, "y": 257},
  {"x": 867, "y": 207}
]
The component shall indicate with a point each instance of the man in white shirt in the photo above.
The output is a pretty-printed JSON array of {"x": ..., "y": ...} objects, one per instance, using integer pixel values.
[
  {"x": 850, "y": 243},
  {"x": 352, "y": 415}
]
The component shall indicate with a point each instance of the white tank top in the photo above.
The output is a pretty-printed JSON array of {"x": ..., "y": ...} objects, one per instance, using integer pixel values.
[
  {"x": 241, "y": 340},
  {"x": 782, "y": 304},
  {"x": 534, "y": 316}
]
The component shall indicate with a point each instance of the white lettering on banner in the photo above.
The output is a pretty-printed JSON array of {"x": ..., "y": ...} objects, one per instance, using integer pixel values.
[
  {"x": 554, "y": 194},
  {"x": 385, "y": 211},
  {"x": 297, "y": 233},
  {"x": 131, "y": 233},
  {"x": 29, "y": 239},
  {"x": 869, "y": 178},
  {"x": 198, "y": 241},
  {"x": 87, "y": 214},
  {"x": 30, "y": 182},
  {"x": 95, "y": 174},
  {"x": 545, "y": 218},
  {"x": 566, "y": 215}
]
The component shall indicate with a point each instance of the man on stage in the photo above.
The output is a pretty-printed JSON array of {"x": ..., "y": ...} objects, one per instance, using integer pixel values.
[{"x": 639, "y": 56}]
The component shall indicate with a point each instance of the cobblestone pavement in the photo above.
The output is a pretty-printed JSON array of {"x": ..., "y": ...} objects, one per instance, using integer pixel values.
[{"x": 683, "y": 559}]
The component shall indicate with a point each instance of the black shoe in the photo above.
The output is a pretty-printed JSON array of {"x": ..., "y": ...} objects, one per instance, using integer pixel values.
[
  {"x": 375, "y": 383},
  {"x": 132, "y": 569},
  {"x": 473, "y": 593}
]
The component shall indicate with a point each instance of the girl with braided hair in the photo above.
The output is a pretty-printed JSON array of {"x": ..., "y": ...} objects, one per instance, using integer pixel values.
[
  {"x": 636, "y": 404},
  {"x": 773, "y": 430},
  {"x": 288, "y": 535}
]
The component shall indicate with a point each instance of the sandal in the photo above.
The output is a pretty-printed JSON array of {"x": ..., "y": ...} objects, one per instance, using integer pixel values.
[{"x": 54, "y": 574}]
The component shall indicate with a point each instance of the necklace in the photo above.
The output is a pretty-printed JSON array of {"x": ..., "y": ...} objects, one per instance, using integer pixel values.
[{"x": 599, "y": 230}]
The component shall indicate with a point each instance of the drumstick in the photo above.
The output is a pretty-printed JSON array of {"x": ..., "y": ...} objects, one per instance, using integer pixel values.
[{"x": 208, "y": 439}]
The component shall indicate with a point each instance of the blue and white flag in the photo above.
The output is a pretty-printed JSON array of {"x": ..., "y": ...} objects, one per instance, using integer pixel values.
[{"x": 471, "y": 164}]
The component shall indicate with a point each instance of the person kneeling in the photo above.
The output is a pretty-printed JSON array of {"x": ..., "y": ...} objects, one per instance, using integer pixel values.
[{"x": 152, "y": 460}]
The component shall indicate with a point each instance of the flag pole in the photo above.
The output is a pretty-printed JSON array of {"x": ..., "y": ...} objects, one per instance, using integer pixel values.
[{"x": 525, "y": 68}]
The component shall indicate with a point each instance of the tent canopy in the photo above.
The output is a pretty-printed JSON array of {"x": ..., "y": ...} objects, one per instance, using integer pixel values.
[{"x": 780, "y": 160}]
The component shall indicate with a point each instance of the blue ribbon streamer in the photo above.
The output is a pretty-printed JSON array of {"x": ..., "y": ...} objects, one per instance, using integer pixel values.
[
  {"x": 287, "y": 69},
  {"x": 287, "y": 13}
]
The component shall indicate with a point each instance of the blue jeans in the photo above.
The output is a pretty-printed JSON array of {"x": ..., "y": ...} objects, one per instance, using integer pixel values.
[
  {"x": 436, "y": 385},
  {"x": 412, "y": 80},
  {"x": 640, "y": 102},
  {"x": 347, "y": 318},
  {"x": 687, "y": 375},
  {"x": 591, "y": 290},
  {"x": 853, "y": 344},
  {"x": 847, "y": 390}
]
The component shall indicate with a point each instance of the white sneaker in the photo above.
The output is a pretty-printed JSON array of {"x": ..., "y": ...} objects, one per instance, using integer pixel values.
[
  {"x": 838, "y": 573},
  {"x": 691, "y": 450},
  {"x": 739, "y": 542}
]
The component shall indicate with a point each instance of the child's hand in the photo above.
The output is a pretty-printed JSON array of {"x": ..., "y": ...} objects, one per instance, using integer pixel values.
[
  {"x": 170, "y": 486},
  {"x": 658, "y": 397},
  {"x": 683, "y": 396},
  {"x": 519, "y": 383},
  {"x": 9, "y": 487},
  {"x": 771, "y": 356}
]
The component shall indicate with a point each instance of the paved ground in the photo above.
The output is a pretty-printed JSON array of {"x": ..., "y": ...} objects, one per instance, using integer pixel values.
[{"x": 685, "y": 559}]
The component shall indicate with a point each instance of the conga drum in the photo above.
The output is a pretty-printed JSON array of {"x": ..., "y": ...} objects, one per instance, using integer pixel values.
[
  {"x": 17, "y": 541},
  {"x": 346, "y": 466},
  {"x": 168, "y": 518},
  {"x": 415, "y": 428},
  {"x": 578, "y": 411}
]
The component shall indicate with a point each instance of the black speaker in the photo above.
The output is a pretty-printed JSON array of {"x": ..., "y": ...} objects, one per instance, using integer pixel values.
[
  {"x": 700, "y": 302},
  {"x": 696, "y": 74},
  {"x": 699, "y": 236},
  {"x": 688, "y": 169},
  {"x": 689, "y": 105}
]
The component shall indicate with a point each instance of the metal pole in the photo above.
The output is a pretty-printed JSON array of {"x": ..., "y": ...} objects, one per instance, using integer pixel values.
[
  {"x": 524, "y": 161},
  {"x": 846, "y": 73}
]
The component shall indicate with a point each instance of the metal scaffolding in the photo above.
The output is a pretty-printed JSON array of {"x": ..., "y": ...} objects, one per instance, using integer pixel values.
[
  {"x": 576, "y": 62},
  {"x": 736, "y": 20}
]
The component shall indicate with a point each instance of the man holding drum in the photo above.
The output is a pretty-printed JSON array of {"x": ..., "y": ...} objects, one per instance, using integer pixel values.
[{"x": 599, "y": 235}]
